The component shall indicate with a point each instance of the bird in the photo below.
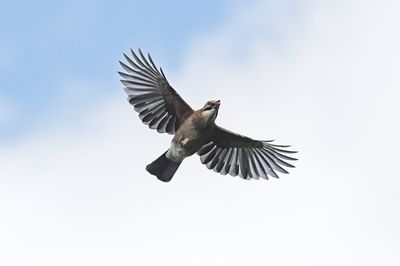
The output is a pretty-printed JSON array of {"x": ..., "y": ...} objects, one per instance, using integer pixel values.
[{"x": 195, "y": 131}]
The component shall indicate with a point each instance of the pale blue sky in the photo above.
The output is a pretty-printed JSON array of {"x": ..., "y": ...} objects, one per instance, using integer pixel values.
[{"x": 50, "y": 45}]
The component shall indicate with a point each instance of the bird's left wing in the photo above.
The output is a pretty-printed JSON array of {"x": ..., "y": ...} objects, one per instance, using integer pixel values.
[
  {"x": 234, "y": 154},
  {"x": 157, "y": 103}
]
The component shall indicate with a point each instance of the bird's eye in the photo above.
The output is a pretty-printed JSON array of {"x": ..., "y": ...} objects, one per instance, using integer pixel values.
[{"x": 208, "y": 107}]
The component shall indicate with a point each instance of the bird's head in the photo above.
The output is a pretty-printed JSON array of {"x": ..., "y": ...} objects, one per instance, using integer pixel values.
[{"x": 210, "y": 110}]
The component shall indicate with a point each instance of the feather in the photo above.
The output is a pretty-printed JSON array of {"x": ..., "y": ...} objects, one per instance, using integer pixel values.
[
  {"x": 145, "y": 98},
  {"x": 153, "y": 115},
  {"x": 147, "y": 63},
  {"x": 151, "y": 109},
  {"x": 163, "y": 124},
  {"x": 272, "y": 163},
  {"x": 266, "y": 164},
  {"x": 206, "y": 148},
  {"x": 131, "y": 70},
  {"x": 134, "y": 78},
  {"x": 151, "y": 61},
  {"x": 252, "y": 165},
  {"x": 227, "y": 161},
  {"x": 215, "y": 160},
  {"x": 222, "y": 160},
  {"x": 143, "y": 70},
  {"x": 154, "y": 123},
  {"x": 208, "y": 157},
  {"x": 144, "y": 67},
  {"x": 171, "y": 126},
  {"x": 282, "y": 156},
  {"x": 260, "y": 166}
]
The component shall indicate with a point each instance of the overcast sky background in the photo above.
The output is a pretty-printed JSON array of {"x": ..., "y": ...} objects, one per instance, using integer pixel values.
[{"x": 321, "y": 75}]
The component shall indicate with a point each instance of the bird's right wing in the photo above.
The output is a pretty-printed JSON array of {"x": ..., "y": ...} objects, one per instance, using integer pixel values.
[
  {"x": 157, "y": 103},
  {"x": 234, "y": 154}
]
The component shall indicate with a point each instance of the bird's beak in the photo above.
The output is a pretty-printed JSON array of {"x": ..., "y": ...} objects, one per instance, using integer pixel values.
[{"x": 218, "y": 103}]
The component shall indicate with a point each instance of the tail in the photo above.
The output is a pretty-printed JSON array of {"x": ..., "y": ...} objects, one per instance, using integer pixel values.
[{"x": 163, "y": 168}]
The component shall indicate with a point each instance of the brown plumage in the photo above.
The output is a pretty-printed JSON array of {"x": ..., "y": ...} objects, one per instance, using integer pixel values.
[{"x": 161, "y": 108}]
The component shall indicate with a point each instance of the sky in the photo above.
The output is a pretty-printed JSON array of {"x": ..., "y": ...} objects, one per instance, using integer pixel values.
[
  {"x": 52, "y": 47},
  {"x": 320, "y": 75}
]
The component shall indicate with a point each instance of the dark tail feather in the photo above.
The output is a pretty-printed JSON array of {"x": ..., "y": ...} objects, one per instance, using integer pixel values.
[{"x": 163, "y": 168}]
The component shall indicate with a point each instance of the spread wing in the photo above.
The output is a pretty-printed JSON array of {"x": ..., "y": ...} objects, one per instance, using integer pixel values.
[
  {"x": 234, "y": 154},
  {"x": 158, "y": 104}
]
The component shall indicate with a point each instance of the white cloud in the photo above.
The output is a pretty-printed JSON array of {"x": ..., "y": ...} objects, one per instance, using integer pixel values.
[{"x": 81, "y": 195}]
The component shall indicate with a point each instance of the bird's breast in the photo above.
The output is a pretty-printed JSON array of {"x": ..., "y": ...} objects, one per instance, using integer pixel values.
[{"x": 189, "y": 138}]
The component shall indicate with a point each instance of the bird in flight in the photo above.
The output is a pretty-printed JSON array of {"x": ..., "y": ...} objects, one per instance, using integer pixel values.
[{"x": 161, "y": 108}]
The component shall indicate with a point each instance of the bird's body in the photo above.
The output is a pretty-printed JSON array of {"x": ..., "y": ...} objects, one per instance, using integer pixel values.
[
  {"x": 160, "y": 106},
  {"x": 194, "y": 132}
]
